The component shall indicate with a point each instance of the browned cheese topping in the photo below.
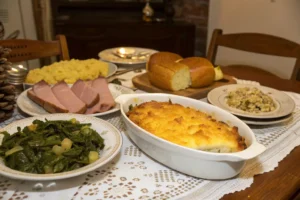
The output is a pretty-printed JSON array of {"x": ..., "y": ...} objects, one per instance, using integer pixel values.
[{"x": 187, "y": 127}]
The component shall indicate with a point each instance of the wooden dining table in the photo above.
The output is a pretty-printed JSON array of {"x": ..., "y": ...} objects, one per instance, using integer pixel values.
[{"x": 284, "y": 181}]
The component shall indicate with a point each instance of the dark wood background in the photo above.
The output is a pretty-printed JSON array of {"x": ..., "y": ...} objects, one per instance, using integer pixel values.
[{"x": 91, "y": 27}]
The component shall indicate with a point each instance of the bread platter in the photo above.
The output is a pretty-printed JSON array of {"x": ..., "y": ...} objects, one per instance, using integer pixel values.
[
  {"x": 142, "y": 82},
  {"x": 192, "y": 77}
]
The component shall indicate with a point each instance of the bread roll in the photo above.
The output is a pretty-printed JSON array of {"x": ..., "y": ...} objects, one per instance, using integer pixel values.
[
  {"x": 202, "y": 71},
  {"x": 170, "y": 76},
  {"x": 162, "y": 58}
]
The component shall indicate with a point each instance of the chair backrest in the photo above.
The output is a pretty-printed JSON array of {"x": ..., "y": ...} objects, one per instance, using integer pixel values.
[
  {"x": 256, "y": 43},
  {"x": 23, "y": 50}
]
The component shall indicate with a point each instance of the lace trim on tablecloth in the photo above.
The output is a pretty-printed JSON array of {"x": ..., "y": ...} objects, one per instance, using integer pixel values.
[{"x": 134, "y": 175}]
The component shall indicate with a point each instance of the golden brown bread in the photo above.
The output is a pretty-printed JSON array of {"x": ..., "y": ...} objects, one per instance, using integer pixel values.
[
  {"x": 162, "y": 58},
  {"x": 170, "y": 76},
  {"x": 202, "y": 71},
  {"x": 165, "y": 73},
  {"x": 187, "y": 127}
]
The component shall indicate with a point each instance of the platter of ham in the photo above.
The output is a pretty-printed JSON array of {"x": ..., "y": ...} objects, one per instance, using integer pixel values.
[{"x": 93, "y": 98}]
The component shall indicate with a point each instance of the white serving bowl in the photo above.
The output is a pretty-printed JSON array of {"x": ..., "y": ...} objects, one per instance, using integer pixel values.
[{"x": 193, "y": 162}]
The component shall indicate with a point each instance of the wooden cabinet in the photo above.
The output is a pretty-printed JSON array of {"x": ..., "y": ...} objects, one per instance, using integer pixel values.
[{"x": 89, "y": 32}]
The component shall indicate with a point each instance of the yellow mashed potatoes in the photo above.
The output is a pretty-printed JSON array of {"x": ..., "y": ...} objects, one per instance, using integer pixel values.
[{"x": 69, "y": 71}]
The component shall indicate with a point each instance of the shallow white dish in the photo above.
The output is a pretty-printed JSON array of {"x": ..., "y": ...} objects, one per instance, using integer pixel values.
[
  {"x": 193, "y": 162},
  {"x": 33, "y": 109},
  {"x": 265, "y": 122},
  {"x": 110, "y": 56},
  {"x": 285, "y": 104},
  {"x": 112, "y": 140}
]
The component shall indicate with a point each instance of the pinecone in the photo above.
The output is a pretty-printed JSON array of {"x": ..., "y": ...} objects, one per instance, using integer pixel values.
[{"x": 7, "y": 91}]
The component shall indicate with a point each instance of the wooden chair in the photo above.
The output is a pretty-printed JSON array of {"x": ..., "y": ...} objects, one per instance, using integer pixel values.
[
  {"x": 256, "y": 43},
  {"x": 23, "y": 50}
]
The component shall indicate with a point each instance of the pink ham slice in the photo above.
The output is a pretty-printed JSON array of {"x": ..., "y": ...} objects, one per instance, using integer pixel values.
[
  {"x": 67, "y": 98},
  {"x": 106, "y": 99},
  {"x": 34, "y": 98},
  {"x": 85, "y": 93},
  {"x": 43, "y": 95}
]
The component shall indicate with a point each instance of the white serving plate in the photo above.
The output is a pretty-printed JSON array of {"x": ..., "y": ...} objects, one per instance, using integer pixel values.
[
  {"x": 193, "y": 162},
  {"x": 285, "y": 104},
  {"x": 109, "y": 56},
  {"x": 33, "y": 109},
  {"x": 266, "y": 122},
  {"x": 112, "y": 140}
]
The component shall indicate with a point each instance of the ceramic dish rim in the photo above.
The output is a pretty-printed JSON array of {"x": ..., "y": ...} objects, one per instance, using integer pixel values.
[{"x": 271, "y": 121}]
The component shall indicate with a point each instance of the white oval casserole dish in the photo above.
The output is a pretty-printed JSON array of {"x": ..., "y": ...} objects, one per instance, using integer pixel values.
[{"x": 193, "y": 162}]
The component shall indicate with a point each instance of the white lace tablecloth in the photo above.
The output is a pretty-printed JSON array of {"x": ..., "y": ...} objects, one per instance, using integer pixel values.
[{"x": 134, "y": 175}]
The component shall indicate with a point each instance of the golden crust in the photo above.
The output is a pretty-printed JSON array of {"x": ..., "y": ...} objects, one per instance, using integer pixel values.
[
  {"x": 202, "y": 71},
  {"x": 163, "y": 76},
  {"x": 186, "y": 127},
  {"x": 162, "y": 58}
]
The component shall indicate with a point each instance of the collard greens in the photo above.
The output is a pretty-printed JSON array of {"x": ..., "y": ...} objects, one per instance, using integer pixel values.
[{"x": 51, "y": 146}]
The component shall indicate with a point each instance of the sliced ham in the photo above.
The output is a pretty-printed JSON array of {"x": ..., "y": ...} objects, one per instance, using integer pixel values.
[
  {"x": 106, "y": 99},
  {"x": 85, "y": 93},
  {"x": 34, "y": 98},
  {"x": 43, "y": 96},
  {"x": 67, "y": 98}
]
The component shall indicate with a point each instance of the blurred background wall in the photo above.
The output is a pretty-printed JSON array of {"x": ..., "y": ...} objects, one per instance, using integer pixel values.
[
  {"x": 17, "y": 18},
  {"x": 196, "y": 12},
  {"x": 275, "y": 17}
]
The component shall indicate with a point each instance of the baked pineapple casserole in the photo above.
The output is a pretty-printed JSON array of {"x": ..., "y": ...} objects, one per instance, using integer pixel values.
[
  {"x": 250, "y": 100},
  {"x": 187, "y": 127}
]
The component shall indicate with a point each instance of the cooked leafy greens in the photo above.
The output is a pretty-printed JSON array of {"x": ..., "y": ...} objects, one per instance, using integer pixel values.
[{"x": 51, "y": 146}]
